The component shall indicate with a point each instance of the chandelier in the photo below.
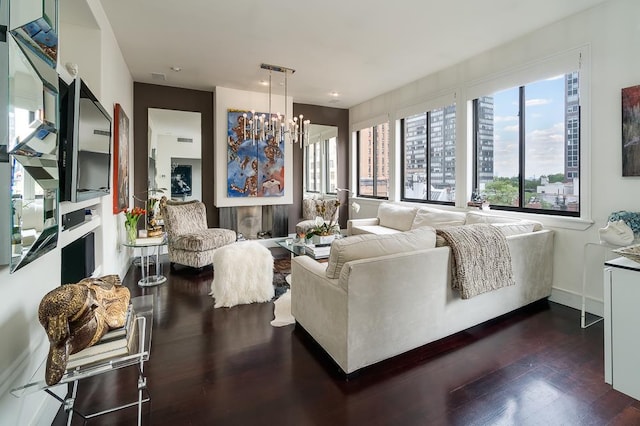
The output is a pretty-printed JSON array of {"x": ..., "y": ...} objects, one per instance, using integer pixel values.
[{"x": 279, "y": 127}]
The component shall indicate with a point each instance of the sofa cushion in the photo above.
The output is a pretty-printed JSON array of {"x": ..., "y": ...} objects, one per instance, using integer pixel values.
[
  {"x": 206, "y": 239},
  {"x": 427, "y": 216},
  {"x": 372, "y": 229},
  {"x": 396, "y": 216},
  {"x": 372, "y": 245},
  {"x": 482, "y": 217}
]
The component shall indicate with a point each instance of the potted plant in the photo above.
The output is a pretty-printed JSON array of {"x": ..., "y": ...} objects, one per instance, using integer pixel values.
[{"x": 324, "y": 231}]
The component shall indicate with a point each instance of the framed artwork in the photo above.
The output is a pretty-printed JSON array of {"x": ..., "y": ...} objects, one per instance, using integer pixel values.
[
  {"x": 255, "y": 167},
  {"x": 181, "y": 180},
  {"x": 631, "y": 131},
  {"x": 120, "y": 160}
]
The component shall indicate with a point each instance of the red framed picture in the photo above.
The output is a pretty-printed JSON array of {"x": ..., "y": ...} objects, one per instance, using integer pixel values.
[
  {"x": 120, "y": 160},
  {"x": 631, "y": 131}
]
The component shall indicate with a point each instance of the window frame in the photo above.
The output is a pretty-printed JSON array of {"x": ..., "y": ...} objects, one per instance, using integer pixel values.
[
  {"x": 323, "y": 183},
  {"x": 427, "y": 154},
  {"x": 522, "y": 150}
]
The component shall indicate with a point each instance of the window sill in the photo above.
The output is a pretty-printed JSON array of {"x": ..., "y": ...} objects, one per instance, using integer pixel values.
[{"x": 550, "y": 221}]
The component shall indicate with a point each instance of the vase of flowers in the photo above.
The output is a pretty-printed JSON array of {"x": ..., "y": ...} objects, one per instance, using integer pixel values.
[
  {"x": 131, "y": 223},
  {"x": 324, "y": 231}
]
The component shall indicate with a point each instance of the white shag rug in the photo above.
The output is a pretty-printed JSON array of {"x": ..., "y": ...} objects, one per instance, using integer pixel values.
[
  {"x": 282, "y": 311},
  {"x": 242, "y": 273}
]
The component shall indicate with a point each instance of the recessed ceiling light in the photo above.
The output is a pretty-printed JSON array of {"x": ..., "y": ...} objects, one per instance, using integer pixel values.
[
  {"x": 264, "y": 83},
  {"x": 334, "y": 94},
  {"x": 176, "y": 69}
]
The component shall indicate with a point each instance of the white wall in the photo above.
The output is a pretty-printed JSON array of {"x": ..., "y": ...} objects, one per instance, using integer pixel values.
[
  {"x": 239, "y": 99},
  {"x": 25, "y": 344},
  {"x": 609, "y": 33}
]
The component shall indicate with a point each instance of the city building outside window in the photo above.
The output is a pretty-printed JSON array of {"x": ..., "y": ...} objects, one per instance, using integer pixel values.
[
  {"x": 527, "y": 147},
  {"x": 429, "y": 156},
  {"x": 373, "y": 161}
]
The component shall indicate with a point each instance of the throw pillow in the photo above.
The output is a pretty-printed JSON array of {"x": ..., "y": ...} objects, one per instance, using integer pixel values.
[
  {"x": 481, "y": 217},
  {"x": 396, "y": 216},
  {"x": 437, "y": 218},
  {"x": 371, "y": 245}
]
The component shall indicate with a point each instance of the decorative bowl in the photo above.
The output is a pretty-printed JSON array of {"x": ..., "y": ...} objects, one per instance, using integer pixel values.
[{"x": 630, "y": 252}]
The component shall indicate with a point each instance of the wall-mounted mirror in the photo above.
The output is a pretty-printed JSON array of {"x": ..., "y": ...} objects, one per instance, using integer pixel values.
[
  {"x": 175, "y": 154},
  {"x": 321, "y": 160},
  {"x": 32, "y": 136}
]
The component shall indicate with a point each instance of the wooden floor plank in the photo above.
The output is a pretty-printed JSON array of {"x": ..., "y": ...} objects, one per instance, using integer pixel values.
[{"x": 229, "y": 366}]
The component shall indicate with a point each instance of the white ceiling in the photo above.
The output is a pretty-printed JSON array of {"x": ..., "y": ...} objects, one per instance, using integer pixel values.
[
  {"x": 181, "y": 124},
  {"x": 358, "y": 48}
]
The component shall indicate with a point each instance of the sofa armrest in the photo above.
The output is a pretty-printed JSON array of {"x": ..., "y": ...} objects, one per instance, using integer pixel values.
[
  {"x": 370, "y": 221},
  {"x": 532, "y": 261},
  {"x": 319, "y": 305}
]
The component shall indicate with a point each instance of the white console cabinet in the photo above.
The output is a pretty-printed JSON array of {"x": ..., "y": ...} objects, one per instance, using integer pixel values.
[{"x": 622, "y": 325}]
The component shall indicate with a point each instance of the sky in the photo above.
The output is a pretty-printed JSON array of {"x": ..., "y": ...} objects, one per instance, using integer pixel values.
[{"x": 544, "y": 129}]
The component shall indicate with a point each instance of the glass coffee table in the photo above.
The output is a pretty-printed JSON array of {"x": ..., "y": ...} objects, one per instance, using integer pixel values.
[
  {"x": 296, "y": 249},
  {"x": 301, "y": 249},
  {"x": 149, "y": 247}
]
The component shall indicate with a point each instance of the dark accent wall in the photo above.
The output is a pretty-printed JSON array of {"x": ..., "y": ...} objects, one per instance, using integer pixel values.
[
  {"x": 327, "y": 116},
  {"x": 147, "y": 96}
]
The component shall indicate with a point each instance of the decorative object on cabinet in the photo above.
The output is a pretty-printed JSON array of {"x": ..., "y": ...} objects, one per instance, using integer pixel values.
[
  {"x": 617, "y": 233},
  {"x": 630, "y": 252},
  {"x": 631, "y": 131},
  {"x": 120, "y": 160},
  {"x": 632, "y": 219},
  {"x": 32, "y": 150}
]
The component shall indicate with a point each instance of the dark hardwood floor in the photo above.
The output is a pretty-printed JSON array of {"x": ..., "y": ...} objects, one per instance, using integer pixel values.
[{"x": 229, "y": 366}]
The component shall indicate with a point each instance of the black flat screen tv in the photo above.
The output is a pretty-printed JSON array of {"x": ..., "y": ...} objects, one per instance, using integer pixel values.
[{"x": 85, "y": 144}]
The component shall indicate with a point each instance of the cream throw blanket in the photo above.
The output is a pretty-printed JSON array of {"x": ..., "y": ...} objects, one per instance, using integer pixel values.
[{"x": 481, "y": 260}]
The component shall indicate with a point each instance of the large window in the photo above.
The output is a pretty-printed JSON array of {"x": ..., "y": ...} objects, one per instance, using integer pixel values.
[
  {"x": 373, "y": 161},
  {"x": 321, "y": 166},
  {"x": 527, "y": 146},
  {"x": 429, "y": 156}
]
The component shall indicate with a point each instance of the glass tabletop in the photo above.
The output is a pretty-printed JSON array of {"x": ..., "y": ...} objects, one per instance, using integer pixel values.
[
  {"x": 143, "y": 306},
  {"x": 147, "y": 242},
  {"x": 295, "y": 248}
]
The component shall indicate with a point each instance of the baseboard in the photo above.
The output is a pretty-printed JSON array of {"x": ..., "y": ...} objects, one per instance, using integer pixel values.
[{"x": 574, "y": 300}]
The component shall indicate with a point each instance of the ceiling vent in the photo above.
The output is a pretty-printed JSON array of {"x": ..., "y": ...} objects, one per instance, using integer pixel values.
[
  {"x": 158, "y": 76},
  {"x": 186, "y": 140}
]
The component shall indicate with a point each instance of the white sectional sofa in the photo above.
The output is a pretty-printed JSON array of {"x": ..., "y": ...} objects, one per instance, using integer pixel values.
[
  {"x": 384, "y": 294},
  {"x": 394, "y": 217}
]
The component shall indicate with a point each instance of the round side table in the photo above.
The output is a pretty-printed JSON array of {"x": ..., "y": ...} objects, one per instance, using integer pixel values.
[{"x": 147, "y": 250}]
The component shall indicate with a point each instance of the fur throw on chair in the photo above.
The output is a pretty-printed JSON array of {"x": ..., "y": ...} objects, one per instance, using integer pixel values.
[{"x": 242, "y": 273}]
